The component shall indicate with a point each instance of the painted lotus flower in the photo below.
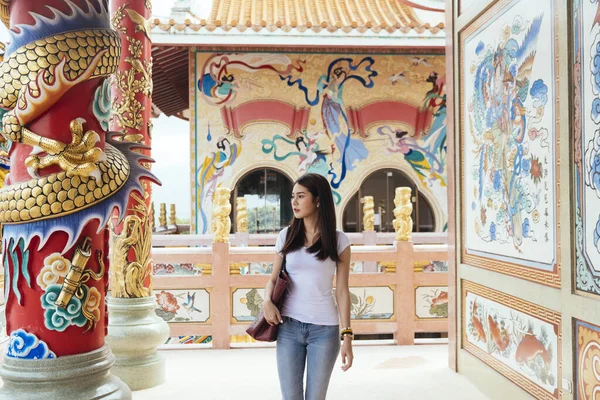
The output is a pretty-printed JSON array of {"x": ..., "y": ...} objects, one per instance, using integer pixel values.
[{"x": 167, "y": 302}]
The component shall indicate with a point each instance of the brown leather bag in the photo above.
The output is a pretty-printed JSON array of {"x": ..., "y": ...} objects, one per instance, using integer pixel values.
[{"x": 260, "y": 329}]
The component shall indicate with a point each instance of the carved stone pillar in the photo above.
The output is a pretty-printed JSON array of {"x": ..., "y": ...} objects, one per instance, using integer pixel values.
[
  {"x": 134, "y": 330},
  {"x": 67, "y": 174}
]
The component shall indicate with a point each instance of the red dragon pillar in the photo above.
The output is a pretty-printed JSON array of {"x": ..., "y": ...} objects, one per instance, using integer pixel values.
[
  {"x": 134, "y": 330},
  {"x": 68, "y": 174}
]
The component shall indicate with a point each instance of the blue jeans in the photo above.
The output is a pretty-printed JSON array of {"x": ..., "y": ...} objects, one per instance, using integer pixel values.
[{"x": 298, "y": 341}]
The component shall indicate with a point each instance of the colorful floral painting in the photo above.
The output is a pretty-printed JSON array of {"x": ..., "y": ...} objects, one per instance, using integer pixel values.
[
  {"x": 518, "y": 339},
  {"x": 192, "y": 305},
  {"x": 189, "y": 339},
  {"x": 587, "y": 378},
  {"x": 510, "y": 146},
  {"x": 371, "y": 303},
  {"x": 178, "y": 269},
  {"x": 586, "y": 148},
  {"x": 264, "y": 268},
  {"x": 247, "y": 303},
  {"x": 324, "y": 113},
  {"x": 431, "y": 266},
  {"x": 431, "y": 302}
]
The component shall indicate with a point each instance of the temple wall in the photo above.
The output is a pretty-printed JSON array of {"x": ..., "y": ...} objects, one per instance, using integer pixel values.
[
  {"x": 341, "y": 115},
  {"x": 526, "y": 196}
]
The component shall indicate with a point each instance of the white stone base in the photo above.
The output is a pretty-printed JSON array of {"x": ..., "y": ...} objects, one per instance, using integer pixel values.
[
  {"x": 134, "y": 333},
  {"x": 82, "y": 377}
]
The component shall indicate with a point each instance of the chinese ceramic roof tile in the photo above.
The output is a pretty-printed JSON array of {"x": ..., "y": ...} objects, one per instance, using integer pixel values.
[{"x": 303, "y": 15}]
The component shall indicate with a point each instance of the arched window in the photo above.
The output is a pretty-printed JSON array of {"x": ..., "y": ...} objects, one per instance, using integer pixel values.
[
  {"x": 381, "y": 185},
  {"x": 268, "y": 200}
]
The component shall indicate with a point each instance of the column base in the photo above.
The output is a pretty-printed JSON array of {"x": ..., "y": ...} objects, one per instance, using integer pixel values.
[
  {"x": 83, "y": 377},
  {"x": 134, "y": 333}
]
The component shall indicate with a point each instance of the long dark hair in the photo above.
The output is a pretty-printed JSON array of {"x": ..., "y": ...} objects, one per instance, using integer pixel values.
[{"x": 326, "y": 244}]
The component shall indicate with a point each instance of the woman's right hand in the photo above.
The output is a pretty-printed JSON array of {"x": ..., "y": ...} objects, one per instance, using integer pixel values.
[{"x": 272, "y": 313}]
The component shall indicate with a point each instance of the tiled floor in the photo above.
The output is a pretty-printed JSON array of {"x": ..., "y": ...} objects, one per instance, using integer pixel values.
[{"x": 379, "y": 373}]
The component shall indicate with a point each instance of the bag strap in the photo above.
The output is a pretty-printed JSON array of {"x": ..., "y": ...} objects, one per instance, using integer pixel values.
[{"x": 283, "y": 268}]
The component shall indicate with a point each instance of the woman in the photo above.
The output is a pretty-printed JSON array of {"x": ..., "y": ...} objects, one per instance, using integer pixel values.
[{"x": 309, "y": 323}]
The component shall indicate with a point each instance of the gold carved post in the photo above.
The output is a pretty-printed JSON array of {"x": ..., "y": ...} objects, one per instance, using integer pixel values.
[
  {"x": 152, "y": 217},
  {"x": 172, "y": 215},
  {"x": 162, "y": 216},
  {"x": 368, "y": 214},
  {"x": 221, "y": 223},
  {"x": 241, "y": 215},
  {"x": 403, "y": 223}
]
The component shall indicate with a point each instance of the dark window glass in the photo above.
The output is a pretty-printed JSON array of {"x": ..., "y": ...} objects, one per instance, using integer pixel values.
[
  {"x": 268, "y": 200},
  {"x": 382, "y": 185}
]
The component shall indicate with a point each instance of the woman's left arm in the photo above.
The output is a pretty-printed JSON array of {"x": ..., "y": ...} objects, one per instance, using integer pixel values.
[{"x": 342, "y": 293}]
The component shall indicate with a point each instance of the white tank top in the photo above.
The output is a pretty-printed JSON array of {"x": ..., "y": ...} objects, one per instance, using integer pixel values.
[{"x": 310, "y": 294}]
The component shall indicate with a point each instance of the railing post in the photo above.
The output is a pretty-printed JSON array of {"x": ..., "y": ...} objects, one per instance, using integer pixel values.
[
  {"x": 220, "y": 303},
  {"x": 405, "y": 275}
]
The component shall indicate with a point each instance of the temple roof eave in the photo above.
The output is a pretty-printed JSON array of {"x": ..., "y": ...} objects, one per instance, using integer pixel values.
[{"x": 297, "y": 38}]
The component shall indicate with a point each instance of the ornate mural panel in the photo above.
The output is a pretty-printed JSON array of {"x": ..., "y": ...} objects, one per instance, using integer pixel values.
[
  {"x": 521, "y": 340},
  {"x": 586, "y": 148},
  {"x": 187, "y": 305},
  {"x": 324, "y": 113},
  {"x": 587, "y": 378},
  {"x": 372, "y": 303},
  {"x": 431, "y": 266},
  {"x": 431, "y": 302},
  {"x": 509, "y": 144},
  {"x": 189, "y": 339},
  {"x": 178, "y": 269}
]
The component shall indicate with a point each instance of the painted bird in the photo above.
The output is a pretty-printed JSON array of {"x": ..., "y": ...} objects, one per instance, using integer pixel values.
[
  {"x": 189, "y": 303},
  {"x": 399, "y": 77},
  {"x": 142, "y": 24},
  {"x": 416, "y": 61}
]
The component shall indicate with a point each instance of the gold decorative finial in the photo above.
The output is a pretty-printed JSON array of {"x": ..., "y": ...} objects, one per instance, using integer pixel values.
[
  {"x": 221, "y": 224},
  {"x": 403, "y": 223},
  {"x": 162, "y": 217},
  {"x": 241, "y": 215},
  {"x": 368, "y": 214},
  {"x": 172, "y": 215}
]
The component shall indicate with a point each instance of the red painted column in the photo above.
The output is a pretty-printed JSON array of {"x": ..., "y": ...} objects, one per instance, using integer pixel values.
[
  {"x": 132, "y": 103},
  {"x": 55, "y": 250}
]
